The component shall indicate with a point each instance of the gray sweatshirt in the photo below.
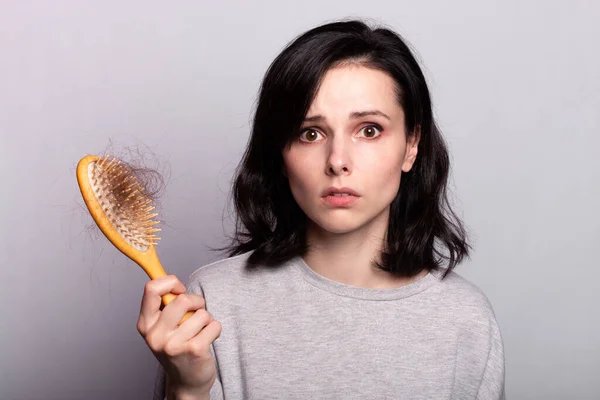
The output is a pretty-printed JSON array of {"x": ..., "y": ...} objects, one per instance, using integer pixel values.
[{"x": 290, "y": 333}]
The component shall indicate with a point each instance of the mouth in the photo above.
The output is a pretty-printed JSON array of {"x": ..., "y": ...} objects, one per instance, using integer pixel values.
[
  {"x": 339, "y": 197},
  {"x": 333, "y": 191}
]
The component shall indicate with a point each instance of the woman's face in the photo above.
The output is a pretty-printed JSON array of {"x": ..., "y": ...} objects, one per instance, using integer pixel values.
[{"x": 344, "y": 169}]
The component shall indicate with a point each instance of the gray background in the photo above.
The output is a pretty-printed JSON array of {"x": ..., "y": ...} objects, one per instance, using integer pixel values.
[{"x": 516, "y": 86}]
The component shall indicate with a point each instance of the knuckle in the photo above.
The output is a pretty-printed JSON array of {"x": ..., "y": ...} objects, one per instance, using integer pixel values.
[
  {"x": 201, "y": 301},
  {"x": 173, "y": 279},
  {"x": 198, "y": 348},
  {"x": 204, "y": 315},
  {"x": 154, "y": 342},
  {"x": 216, "y": 325},
  {"x": 171, "y": 349},
  {"x": 183, "y": 300},
  {"x": 149, "y": 287},
  {"x": 141, "y": 326}
]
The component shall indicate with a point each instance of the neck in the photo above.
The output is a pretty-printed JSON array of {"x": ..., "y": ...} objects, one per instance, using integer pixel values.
[{"x": 349, "y": 257}]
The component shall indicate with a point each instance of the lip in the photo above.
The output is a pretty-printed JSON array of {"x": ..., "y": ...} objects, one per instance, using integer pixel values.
[
  {"x": 330, "y": 191},
  {"x": 329, "y": 197}
]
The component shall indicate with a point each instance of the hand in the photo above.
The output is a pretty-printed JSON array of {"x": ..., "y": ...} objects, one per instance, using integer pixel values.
[{"x": 183, "y": 350}]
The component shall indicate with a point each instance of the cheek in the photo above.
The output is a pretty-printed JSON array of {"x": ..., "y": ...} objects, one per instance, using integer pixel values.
[
  {"x": 300, "y": 178},
  {"x": 385, "y": 169}
]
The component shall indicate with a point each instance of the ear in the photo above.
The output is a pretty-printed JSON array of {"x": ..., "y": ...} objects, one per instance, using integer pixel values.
[{"x": 412, "y": 148}]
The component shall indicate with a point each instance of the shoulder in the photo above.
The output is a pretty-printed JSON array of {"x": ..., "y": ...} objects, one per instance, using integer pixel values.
[
  {"x": 465, "y": 300},
  {"x": 479, "y": 343},
  {"x": 232, "y": 284},
  {"x": 222, "y": 279},
  {"x": 226, "y": 266},
  {"x": 235, "y": 274},
  {"x": 224, "y": 272}
]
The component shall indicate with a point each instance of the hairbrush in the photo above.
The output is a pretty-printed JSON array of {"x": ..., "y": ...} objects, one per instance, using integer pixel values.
[{"x": 123, "y": 210}]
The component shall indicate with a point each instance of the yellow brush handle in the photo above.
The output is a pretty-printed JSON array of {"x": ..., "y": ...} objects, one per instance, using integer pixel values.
[{"x": 150, "y": 263}]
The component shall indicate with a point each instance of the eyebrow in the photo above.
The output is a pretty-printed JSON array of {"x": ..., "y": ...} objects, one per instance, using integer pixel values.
[{"x": 353, "y": 115}]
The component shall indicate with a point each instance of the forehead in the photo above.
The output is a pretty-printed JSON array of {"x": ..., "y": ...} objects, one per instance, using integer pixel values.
[{"x": 354, "y": 87}]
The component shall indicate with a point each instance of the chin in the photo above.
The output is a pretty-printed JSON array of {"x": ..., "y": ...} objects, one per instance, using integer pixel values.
[
  {"x": 344, "y": 221},
  {"x": 339, "y": 226}
]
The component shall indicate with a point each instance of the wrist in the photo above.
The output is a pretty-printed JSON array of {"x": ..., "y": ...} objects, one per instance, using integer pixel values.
[
  {"x": 185, "y": 394},
  {"x": 192, "y": 396},
  {"x": 176, "y": 392}
]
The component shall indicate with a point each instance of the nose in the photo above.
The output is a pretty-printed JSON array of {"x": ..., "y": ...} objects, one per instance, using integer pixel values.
[{"x": 338, "y": 158}]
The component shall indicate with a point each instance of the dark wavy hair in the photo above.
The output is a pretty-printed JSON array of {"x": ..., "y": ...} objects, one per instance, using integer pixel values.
[{"x": 423, "y": 231}]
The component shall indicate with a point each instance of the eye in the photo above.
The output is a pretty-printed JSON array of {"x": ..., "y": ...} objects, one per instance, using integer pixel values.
[
  {"x": 370, "y": 131},
  {"x": 310, "y": 135}
]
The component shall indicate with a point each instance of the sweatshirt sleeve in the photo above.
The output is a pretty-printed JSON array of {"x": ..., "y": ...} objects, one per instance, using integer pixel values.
[
  {"x": 479, "y": 364},
  {"x": 492, "y": 381}
]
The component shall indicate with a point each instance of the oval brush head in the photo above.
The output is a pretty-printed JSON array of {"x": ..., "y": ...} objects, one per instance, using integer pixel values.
[
  {"x": 118, "y": 201},
  {"x": 122, "y": 209}
]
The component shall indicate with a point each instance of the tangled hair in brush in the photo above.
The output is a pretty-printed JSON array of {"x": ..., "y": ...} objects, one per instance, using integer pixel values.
[{"x": 143, "y": 166}]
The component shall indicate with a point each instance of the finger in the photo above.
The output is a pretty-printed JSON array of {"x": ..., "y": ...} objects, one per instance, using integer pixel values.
[
  {"x": 191, "y": 326},
  {"x": 151, "y": 300},
  {"x": 156, "y": 288},
  {"x": 173, "y": 313},
  {"x": 200, "y": 344}
]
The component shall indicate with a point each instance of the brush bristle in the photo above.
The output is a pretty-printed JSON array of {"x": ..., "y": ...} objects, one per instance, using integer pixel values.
[{"x": 125, "y": 202}]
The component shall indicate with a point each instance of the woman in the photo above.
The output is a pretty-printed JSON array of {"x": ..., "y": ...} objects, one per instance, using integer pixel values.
[{"x": 339, "y": 282}]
